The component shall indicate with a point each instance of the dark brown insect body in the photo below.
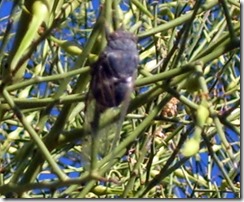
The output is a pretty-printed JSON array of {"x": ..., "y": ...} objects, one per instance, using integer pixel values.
[{"x": 114, "y": 72}]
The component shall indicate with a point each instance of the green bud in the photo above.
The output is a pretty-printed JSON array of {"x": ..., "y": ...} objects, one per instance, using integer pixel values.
[
  {"x": 202, "y": 115},
  {"x": 191, "y": 147}
]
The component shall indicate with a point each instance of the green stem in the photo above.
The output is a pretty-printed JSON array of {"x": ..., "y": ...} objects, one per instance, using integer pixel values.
[
  {"x": 228, "y": 19},
  {"x": 39, "y": 79},
  {"x": 165, "y": 75},
  {"x": 42, "y": 148},
  {"x": 142, "y": 8},
  {"x": 180, "y": 20},
  {"x": 220, "y": 164},
  {"x": 166, "y": 170},
  {"x": 16, "y": 188}
]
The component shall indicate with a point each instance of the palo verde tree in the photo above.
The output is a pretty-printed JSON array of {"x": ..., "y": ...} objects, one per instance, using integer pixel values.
[{"x": 178, "y": 135}]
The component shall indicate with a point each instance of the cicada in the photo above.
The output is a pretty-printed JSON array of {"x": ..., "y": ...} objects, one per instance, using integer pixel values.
[
  {"x": 112, "y": 79},
  {"x": 114, "y": 72}
]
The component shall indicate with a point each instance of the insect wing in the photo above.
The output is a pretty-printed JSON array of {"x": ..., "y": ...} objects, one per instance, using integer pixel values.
[
  {"x": 101, "y": 128},
  {"x": 111, "y": 85}
]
